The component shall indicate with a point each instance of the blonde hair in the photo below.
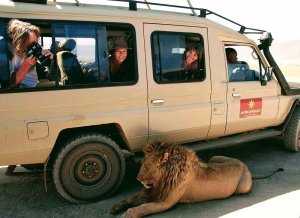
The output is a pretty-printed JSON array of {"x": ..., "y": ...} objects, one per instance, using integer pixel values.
[{"x": 18, "y": 31}]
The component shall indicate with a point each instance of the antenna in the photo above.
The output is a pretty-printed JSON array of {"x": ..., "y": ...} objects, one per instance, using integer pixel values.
[
  {"x": 192, "y": 8},
  {"x": 147, "y": 4}
]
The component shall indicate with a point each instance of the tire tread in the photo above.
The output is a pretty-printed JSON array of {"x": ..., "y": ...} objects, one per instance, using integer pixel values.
[
  {"x": 81, "y": 139},
  {"x": 291, "y": 134}
]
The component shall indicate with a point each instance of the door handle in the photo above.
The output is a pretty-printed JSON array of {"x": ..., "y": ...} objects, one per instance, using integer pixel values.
[
  {"x": 157, "y": 101},
  {"x": 236, "y": 95}
]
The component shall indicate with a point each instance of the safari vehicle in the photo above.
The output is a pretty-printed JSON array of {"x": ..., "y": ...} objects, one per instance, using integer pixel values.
[{"x": 82, "y": 130}]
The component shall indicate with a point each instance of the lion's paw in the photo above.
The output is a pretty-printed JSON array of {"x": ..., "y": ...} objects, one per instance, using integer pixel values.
[
  {"x": 115, "y": 209},
  {"x": 130, "y": 213}
]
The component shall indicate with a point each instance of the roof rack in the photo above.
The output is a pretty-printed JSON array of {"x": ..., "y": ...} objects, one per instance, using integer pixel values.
[{"x": 202, "y": 12}]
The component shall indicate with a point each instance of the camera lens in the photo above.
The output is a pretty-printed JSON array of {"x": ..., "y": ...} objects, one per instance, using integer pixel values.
[{"x": 36, "y": 51}]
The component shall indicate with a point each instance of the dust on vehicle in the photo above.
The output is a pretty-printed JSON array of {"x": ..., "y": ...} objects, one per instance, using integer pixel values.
[{"x": 120, "y": 78}]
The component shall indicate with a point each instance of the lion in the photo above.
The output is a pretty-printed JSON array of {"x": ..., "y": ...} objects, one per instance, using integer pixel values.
[{"x": 173, "y": 174}]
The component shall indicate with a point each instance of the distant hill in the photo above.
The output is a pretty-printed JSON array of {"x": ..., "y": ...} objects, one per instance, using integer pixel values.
[{"x": 286, "y": 52}]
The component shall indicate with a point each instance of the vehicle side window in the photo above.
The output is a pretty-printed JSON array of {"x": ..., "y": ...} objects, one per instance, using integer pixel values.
[
  {"x": 76, "y": 54},
  {"x": 89, "y": 54},
  {"x": 243, "y": 63},
  {"x": 84, "y": 55},
  {"x": 177, "y": 57},
  {"x": 4, "y": 53}
]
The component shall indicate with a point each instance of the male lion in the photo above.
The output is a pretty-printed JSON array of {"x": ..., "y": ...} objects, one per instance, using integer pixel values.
[{"x": 171, "y": 174}]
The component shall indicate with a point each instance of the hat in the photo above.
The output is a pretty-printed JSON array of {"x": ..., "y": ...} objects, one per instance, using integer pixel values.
[{"x": 117, "y": 42}]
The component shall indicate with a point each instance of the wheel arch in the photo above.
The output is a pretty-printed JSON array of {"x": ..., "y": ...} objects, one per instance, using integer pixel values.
[
  {"x": 296, "y": 104},
  {"x": 111, "y": 130}
]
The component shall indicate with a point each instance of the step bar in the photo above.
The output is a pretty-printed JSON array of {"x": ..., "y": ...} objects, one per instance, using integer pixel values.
[{"x": 233, "y": 140}]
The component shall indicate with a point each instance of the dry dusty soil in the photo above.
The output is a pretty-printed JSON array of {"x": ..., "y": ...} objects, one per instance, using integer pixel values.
[{"x": 278, "y": 196}]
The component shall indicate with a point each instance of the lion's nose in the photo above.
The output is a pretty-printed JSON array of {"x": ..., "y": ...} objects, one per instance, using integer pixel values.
[{"x": 141, "y": 178}]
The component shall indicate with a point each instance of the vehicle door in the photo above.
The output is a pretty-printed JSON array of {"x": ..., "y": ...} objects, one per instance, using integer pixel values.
[
  {"x": 179, "y": 104},
  {"x": 250, "y": 105}
]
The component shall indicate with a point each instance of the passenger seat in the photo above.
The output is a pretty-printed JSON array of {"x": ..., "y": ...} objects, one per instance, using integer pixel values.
[{"x": 69, "y": 67}]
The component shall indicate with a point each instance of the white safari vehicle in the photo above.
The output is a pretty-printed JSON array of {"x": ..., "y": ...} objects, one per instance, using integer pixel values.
[{"x": 80, "y": 129}]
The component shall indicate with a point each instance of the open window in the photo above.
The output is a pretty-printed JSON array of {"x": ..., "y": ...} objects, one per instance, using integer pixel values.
[
  {"x": 82, "y": 56},
  {"x": 177, "y": 57},
  {"x": 243, "y": 63},
  {"x": 4, "y": 57}
]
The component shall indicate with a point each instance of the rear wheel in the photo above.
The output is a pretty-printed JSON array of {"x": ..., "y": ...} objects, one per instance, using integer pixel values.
[
  {"x": 88, "y": 168},
  {"x": 292, "y": 132}
]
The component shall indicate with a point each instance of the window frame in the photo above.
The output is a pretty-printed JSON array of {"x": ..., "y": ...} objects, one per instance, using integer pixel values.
[
  {"x": 261, "y": 63},
  {"x": 184, "y": 34},
  {"x": 68, "y": 22},
  {"x": 5, "y": 38}
]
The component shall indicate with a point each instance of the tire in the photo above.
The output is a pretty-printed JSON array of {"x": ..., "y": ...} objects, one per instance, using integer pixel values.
[
  {"x": 292, "y": 132},
  {"x": 88, "y": 168}
]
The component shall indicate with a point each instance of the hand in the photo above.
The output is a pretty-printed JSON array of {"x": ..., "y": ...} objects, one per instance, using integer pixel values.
[
  {"x": 31, "y": 60},
  {"x": 46, "y": 52}
]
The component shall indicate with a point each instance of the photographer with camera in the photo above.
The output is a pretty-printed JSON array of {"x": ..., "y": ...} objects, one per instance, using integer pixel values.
[{"x": 26, "y": 51}]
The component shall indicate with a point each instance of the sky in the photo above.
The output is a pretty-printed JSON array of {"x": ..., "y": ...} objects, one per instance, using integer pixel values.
[{"x": 278, "y": 17}]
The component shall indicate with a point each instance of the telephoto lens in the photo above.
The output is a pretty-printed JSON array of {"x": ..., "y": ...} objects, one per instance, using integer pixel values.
[{"x": 36, "y": 51}]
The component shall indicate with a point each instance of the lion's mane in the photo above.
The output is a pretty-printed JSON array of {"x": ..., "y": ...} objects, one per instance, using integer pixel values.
[{"x": 173, "y": 171}]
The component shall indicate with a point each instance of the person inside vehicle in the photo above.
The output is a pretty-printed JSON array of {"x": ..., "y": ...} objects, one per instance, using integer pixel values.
[
  {"x": 119, "y": 66},
  {"x": 22, "y": 67},
  {"x": 238, "y": 70},
  {"x": 193, "y": 58}
]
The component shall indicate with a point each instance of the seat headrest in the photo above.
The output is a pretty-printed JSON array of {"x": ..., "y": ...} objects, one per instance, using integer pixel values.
[
  {"x": 54, "y": 47},
  {"x": 67, "y": 45}
]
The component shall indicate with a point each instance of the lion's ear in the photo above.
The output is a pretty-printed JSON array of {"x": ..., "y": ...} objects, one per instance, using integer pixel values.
[{"x": 165, "y": 158}]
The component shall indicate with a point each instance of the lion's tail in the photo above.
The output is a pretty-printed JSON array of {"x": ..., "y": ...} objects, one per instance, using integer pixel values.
[{"x": 268, "y": 175}]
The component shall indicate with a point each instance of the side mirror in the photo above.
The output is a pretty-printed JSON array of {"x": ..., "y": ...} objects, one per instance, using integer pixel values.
[{"x": 266, "y": 76}]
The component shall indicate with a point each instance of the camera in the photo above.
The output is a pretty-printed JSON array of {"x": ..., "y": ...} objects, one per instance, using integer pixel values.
[{"x": 36, "y": 51}]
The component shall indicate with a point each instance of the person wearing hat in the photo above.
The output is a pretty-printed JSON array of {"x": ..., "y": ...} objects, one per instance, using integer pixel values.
[
  {"x": 119, "y": 67},
  {"x": 193, "y": 57}
]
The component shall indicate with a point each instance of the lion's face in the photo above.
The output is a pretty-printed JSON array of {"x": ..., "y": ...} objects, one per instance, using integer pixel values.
[
  {"x": 150, "y": 171},
  {"x": 163, "y": 168}
]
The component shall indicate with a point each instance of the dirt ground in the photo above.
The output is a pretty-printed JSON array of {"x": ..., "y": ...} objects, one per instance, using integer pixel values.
[{"x": 278, "y": 196}]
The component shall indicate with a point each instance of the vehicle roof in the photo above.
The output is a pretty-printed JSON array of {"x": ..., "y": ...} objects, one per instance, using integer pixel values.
[{"x": 89, "y": 12}]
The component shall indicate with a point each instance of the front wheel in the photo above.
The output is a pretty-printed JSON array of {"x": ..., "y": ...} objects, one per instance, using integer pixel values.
[
  {"x": 292, "y": 132},
  {"x": 88, "y": 168}
]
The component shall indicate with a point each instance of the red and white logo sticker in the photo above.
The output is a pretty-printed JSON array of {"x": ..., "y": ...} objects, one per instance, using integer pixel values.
[{"x": 250, "y": 107}]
